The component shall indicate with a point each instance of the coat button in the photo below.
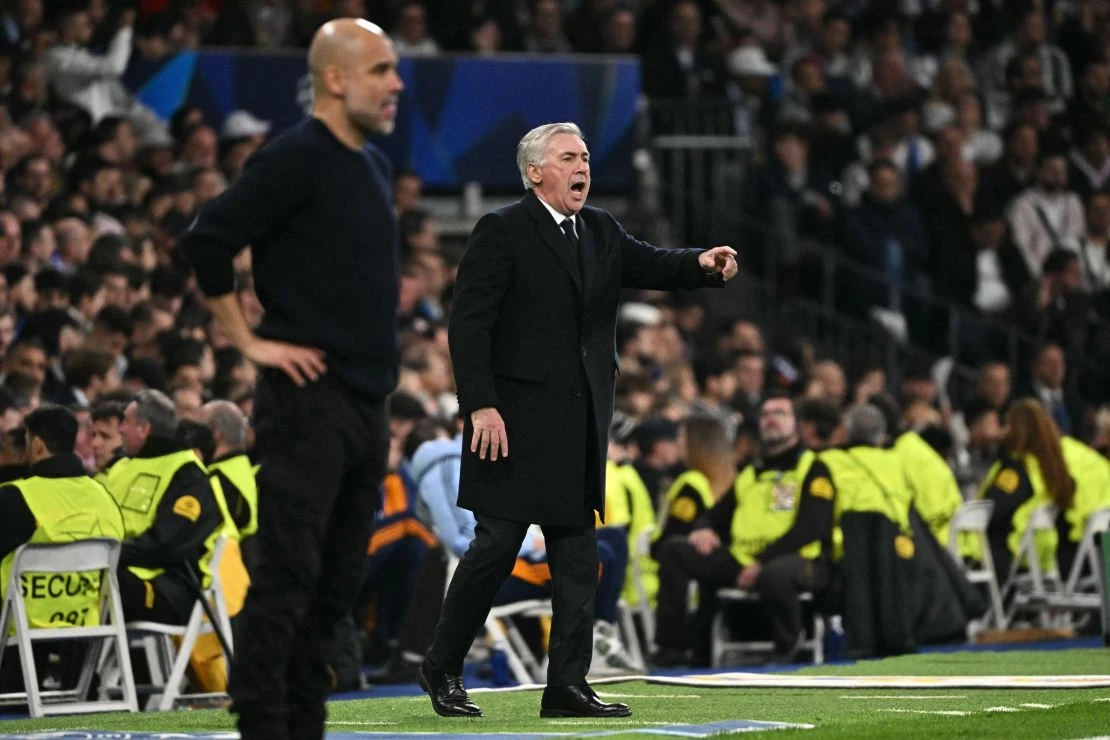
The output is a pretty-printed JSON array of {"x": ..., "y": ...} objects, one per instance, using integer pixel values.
[{"x": 578, "y": 394}]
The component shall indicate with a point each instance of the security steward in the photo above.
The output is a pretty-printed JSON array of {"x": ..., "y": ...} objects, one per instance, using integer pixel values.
[
  {"x": 235, "y": 471},
  {"x": 107, "y": 446},
  {"x": 769, "y": 537},
  {"x": 57, "y": 502},
  {"x": 873, "y": 543},
  {"x": 170, "y": 512},
  {"x": 929, "y": 478},
  {"x": 1039, "y": 467}
]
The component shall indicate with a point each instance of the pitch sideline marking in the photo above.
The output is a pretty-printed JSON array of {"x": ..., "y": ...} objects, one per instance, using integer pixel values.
[
  {"x": 648, "y": 696},
  {"x": 911, "y": 696},
  {"x": 943, "y": 712},
  {"x": 1001, "y": 709},
  {"x": 1033, "y": 705}
]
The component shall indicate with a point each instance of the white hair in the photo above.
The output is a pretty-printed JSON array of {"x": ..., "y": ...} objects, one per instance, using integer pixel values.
[{"x": 533, "y": 146}]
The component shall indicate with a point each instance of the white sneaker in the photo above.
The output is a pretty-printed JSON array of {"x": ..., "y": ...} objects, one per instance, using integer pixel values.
[{"x": 609, "y": 656}]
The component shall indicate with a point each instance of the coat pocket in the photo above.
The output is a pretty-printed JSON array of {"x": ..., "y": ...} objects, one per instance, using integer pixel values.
[{"x": 530, "y": 369}]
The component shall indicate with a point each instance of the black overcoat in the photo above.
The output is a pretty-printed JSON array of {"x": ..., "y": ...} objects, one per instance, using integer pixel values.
[{"x": 533, "y": 338}]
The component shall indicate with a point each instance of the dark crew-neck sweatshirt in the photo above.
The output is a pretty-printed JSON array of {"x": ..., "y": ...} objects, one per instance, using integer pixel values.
[{"x": 319, "y": 219}]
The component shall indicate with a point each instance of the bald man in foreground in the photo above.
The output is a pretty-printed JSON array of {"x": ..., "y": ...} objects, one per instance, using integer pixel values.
[{"x": 315, "y": 205}]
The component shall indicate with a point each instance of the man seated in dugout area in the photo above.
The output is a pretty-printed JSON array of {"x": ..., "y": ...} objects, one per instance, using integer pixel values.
[
  {"x": 170, "y": 512},
  {"x": 768, "y": 535},
  {"x": 57, "y": 502}
]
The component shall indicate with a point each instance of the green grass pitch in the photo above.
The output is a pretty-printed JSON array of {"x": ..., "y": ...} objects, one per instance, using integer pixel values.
[{"x": 835, "y": 713}]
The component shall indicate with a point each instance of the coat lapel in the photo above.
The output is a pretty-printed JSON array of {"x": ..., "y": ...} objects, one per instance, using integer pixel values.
[
  {"x": 589, "y": 254},
  {"x": 553, "y": 236}
]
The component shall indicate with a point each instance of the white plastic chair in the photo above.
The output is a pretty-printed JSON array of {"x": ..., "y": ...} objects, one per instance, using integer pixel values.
[
  {"x": 642, "y": 608},
  {"x": 973, "y": 518},
  {"x": 722, "y": 642},
  {"x": 504, "y": 635},
  {"x": 503, "y": 632},
  {"x": 1082, "y": 592},
  {"x": 100, "y": 555},
  {"x": 164, "y": 656},
  {"x": 1032, "y": 589}
]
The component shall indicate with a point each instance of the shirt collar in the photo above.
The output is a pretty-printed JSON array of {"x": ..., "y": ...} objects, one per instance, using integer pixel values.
[{"x": 559, "y": 218}]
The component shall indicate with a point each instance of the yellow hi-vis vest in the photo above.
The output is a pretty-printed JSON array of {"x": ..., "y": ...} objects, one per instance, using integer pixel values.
[
  {"x": 696, "y": 480},
  {"x": 766, "y": 507},
  {"x": 857, "y": 474},
  {"x": 239, "y": 471},
  {"x": 1045, "y": 541},
  {"x": 138, "y": 485},
  {"x": 932, "y": 484},
  {"x": 617, "y": 513},
  {"x": 65, "y": 510},
  {"x": 641, "y": 518},
  {"x": 1091, "y": 473}
]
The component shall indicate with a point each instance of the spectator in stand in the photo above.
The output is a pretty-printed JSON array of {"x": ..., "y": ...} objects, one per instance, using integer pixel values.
[
  {"x": 885, "y": 233},
  {"x": 682, "y": 67},
  {"x": 1093, "y": 245},
  {"x": 619, "y": 32},
  {"x": 1047, "y": 215},
  {"x": 1030, "y": 41},
  {"x": 545, "y": 34},
  {"x": 1017, "y": 169},
  {"x": 1050, "y": 370},
  {"x": 1090, "y": 108},
  {"x": 410, "y": 31},
  {"x": 1089, "y": 162},
  {"x": 792, "y": 198}
]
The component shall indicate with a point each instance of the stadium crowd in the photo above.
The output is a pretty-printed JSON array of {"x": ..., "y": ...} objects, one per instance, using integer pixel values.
[{"x": 956, "y": 146}]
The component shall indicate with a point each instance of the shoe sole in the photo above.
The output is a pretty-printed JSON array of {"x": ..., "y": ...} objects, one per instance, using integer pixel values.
[
  {"x": 563, "y": 714},
  {"x": 423, "y": 685}
]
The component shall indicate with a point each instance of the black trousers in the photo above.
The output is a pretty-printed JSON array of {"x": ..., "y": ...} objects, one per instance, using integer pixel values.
[
  {"x": 323, "y": 454},
  {"x": 779, "y": 584},
  {"x": 679, "y": 564},
  {"x": 164, "y": 599},
  {"x": 572, "y": 555}
]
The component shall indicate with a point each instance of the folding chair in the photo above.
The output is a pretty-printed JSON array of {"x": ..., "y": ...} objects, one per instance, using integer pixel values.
[
  {"x": 642, "y": 608},
  {"x": 722, "y": 642},
  {"x": 162, "y": 654},
  {"x": 1083, "y": 589},
  {"x": 972, "y": 518},
  {"x": 1031, "y": 589},
  {"x": 503, "y": 632},
  {"x": 504, "y": 635},
  {"x": 100, "y": 555}
]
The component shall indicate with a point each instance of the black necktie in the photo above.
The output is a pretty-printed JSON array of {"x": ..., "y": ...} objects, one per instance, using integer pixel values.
[{"x": 567, "y": 225}]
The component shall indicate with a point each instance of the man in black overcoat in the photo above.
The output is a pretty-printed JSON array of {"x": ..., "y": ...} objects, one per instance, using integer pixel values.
[{"x": 533, "y": 347}]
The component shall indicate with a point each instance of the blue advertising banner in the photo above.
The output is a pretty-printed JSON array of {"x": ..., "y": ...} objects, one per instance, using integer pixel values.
[{"x": 460, "y": 116}]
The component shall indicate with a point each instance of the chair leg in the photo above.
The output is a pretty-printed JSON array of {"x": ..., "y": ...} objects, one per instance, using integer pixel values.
[
  {"x": 818, "y": 639},
  {"x": 630, "y": 637},
  {"x": 717, "y": 637},
  {"x": 95, "y": 651},
  {"x": 525, "y": 653},
  {"x": 501, "y": 642},
  {"x": 30, "y": 675}
]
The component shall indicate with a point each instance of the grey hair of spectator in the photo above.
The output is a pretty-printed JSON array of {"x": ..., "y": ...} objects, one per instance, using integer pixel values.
[
  {"x": 533, "y": 147},
  {"x": 229, "y": 422},
  {"x": 156, "y": 409},
  {"x": 865, "y": 425}
]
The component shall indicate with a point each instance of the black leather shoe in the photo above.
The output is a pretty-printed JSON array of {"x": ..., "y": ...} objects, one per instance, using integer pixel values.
[
  {"x": 449, "y": 697},
  {"x": 578, "y": 701}
]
